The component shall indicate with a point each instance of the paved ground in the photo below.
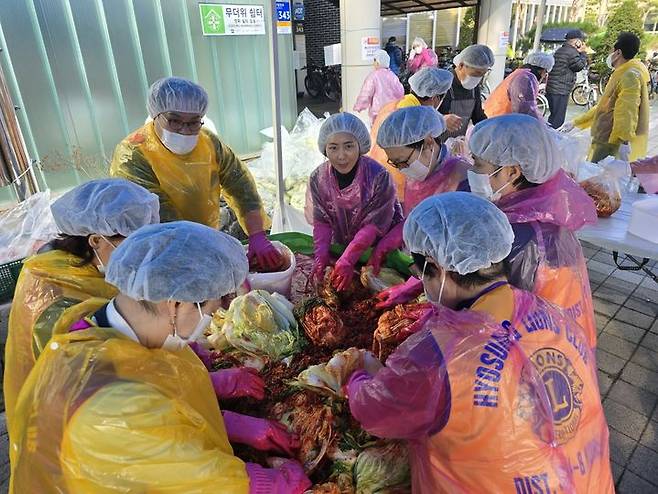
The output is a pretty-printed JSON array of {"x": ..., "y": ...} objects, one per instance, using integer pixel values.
[{"x": 626, "y": 305}]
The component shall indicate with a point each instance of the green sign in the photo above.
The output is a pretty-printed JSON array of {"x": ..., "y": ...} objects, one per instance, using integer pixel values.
[
  {"x": 231, "y": 20},
  {"x": 212, "y": 19}
]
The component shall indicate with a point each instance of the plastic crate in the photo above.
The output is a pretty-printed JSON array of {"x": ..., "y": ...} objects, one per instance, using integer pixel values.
[{"x": 8, "y": 277}]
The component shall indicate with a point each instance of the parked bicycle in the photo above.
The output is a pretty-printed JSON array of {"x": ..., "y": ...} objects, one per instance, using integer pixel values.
[
  {"x": 323, "y": 81},
  {"x": 585, "y": 91},
  {"x": 542, "y": 101}
]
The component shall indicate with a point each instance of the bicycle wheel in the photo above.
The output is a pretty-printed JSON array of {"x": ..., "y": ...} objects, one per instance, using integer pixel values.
[
  {"x": 579, "y": 95},
  {"x": 332, "y": 89},
  {"x": 603, "y": 81},
  {"x": 313, "y": 84},
  {"x": 542, "y": 104}
]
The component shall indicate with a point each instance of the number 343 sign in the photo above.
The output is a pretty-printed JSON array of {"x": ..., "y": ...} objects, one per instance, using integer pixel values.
[{"x": 283, "y": 18}]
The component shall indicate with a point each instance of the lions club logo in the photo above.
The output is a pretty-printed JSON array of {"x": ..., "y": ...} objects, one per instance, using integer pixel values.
[{"x": 564, "y": 390}]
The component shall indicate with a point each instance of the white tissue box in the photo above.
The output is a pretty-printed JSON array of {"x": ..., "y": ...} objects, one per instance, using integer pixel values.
[{"x": 644, "y": 219}]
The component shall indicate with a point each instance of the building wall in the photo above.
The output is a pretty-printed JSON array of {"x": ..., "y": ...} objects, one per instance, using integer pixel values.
[{"x": 321, "y": 27}]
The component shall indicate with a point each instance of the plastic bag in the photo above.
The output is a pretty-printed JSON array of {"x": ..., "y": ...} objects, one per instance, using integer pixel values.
[
  {"x": 573, "y": 147},
  {"x": 300, "y": 157},
  {"x": 26, "y": 227},
  {"x": 602, "y": 182},
  {"x": 458, "y": 146},
  {"x": 386, "y": 278}
]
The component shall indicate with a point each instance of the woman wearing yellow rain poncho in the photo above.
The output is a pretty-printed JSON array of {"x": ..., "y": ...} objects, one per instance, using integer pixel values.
[
  {"x": 93, "y": 219},
  {"x": 122, "y": 404},
  {"x": 188, "y": 167}
]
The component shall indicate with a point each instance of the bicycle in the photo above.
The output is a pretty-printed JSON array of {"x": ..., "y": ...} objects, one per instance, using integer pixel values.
[
  {"x": 333, "y": 83},
  {"x": 314, "y": 80},
  {"x": 584, "y": 92},
  {"x": 542, "y": 101}
]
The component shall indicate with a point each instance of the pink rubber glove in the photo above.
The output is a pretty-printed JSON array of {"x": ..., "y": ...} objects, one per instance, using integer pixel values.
[
  {"x": 287, "y": 478},
  {"x": 344, "y": 270},
  {"x": 238, "y": 382},
  {"x": 400, "y": 294},
  {"x": 321, "y": 244},
  {"x": 205, "y": 355},
  {"x": 264, "y": 252},
  {"x": 264, "y": 435},
  {"x": 391, "y": 241}
]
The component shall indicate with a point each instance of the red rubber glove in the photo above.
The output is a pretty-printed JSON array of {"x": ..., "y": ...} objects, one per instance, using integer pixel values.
[
  {"x": 287, "y": 478},
  {"x": 391, "y": 241},
  {"x": 344, "y": 269},
  {"x": 238, "y": 382},
  {"x": 264, "y": 252},
  {"x": 321, "y": 244},
  {"x": 261, "y": 434},
  {"x": 400, "y": 294}
]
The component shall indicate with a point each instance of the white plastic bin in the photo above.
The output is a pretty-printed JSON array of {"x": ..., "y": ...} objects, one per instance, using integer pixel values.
[
  {"x": 278, "y": 282},
  {"x": 644, "y": 220}
]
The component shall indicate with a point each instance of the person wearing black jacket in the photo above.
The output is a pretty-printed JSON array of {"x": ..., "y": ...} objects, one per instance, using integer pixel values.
[
  {"x": 569, "y": 59},
  {"x": 462, "y": 104},
  {"x": 396, "y": 54}
]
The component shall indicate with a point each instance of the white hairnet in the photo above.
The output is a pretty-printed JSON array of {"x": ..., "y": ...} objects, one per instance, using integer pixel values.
[
  {"x": 344, "y": 122},
  {"x": 409, "y": 125},
  {"x": 475, "y": 56},
  {"x": 541, "y": 59},
  {"x": 180, "y": 261},
  {"x": 110, "y": 206},
  {"x": 418, "y": 41},
  {"x": 383, "y": 58},
  {"x": 462, "y": 232},
  {"x": 516, "y": 139},
  {"x": 430, "y": 81},
  {"x": 176, "y": 94}
]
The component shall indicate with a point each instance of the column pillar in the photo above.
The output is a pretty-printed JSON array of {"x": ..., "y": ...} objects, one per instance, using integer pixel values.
[
  {"x": 359, "y": 19},
  {"x": 495, "y": 16},
  {"x": 515, "y": 30}
]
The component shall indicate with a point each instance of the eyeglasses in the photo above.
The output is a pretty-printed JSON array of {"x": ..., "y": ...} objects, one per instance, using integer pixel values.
[
  {"x": 176, "y": 124},
  {"x": 401, "y": 164}
]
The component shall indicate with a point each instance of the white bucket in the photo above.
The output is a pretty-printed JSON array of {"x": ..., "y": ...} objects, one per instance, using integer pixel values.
[
  {"x": 644, "y": 219},
  {"x": 277, "y": 282}
]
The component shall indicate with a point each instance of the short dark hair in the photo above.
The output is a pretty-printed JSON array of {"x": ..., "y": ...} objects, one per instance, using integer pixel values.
[
  {"x": 471, "y": 280},
  {"x": 75, "y": 245},
  {"x": 392, "y": 39},
  {"x": 628, "y": 43}
]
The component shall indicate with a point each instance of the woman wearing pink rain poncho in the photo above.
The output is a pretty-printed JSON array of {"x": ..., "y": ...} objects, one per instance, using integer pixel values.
[
  {"x": 517, "y": 166},
  {"x": 381, "y": 87},
  {"x": 350, "y": 198},
  {"x": 498, "y": 391},
  {"x": 409, "y": 136},
  {"x": 421, "y": 56}
]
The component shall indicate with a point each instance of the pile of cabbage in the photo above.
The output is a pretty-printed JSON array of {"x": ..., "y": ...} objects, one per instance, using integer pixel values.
[{"x": 260, "y": 330}]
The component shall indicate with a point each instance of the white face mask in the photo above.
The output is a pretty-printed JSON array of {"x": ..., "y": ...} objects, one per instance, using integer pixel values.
[
  {"x": 471, "y": 82},
  {"x": 437, "y": 302},
  {"x": 176, "y": 342},
  {"x": 481, "y": 186},
  {"x": 178, "y": 143},
  {"x": 417, "y": 170},
  {"x": 609, "y": 61}
]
